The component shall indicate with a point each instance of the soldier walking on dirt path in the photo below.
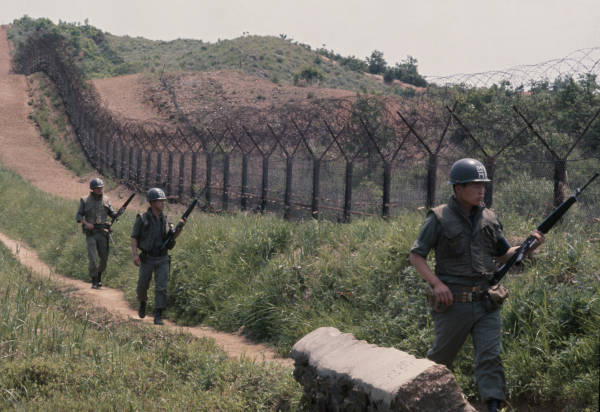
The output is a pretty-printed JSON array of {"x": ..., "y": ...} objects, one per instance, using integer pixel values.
[
  {"x": 93, "y": 215},
  {"x": 468, "y": 243},
  {"x": 150, "y": 231}
]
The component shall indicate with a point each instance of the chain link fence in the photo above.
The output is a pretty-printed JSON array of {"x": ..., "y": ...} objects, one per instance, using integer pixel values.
[{"x": 536, "y": 128}]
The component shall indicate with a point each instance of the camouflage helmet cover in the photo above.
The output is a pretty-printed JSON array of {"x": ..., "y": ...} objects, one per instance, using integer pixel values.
[
  {"x": 468, "y": 170},
  {"x": 96, "y": 183},
  {"x": 155, "y": 194}
]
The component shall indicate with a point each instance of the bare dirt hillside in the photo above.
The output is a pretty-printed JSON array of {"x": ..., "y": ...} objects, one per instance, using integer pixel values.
[
  {"x": 24, "y": 151},
  {"x": 124, "y": 96},
  {"x": 224, "y": 92}
]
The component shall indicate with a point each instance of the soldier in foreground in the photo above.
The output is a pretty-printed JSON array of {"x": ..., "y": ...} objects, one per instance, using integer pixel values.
[
  {"x": 93, "y": 215},
  {"x": 150, "y": 231},
  {"x": 469, "y": 244}
]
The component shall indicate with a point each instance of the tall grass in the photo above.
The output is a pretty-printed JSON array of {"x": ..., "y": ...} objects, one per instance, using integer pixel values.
[
  {"x": 276, "y": 281},
  {"x": 58, "y": 354}
]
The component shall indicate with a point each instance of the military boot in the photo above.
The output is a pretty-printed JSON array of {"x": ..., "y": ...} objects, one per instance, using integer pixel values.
[
  {"x": 99, "y": 278},
  {"x": 142, "y": 310},
  {"x": 493, "y": 405},
  {"x": 158, "y": 317},
  {"x": 95, "y": 283}
]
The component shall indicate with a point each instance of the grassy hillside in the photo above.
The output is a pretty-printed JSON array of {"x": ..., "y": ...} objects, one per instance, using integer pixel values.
[
  {"x": 276, "y": 281},
  {"x": 278, "y": 59},
  {"x": 59, "y": 354}
]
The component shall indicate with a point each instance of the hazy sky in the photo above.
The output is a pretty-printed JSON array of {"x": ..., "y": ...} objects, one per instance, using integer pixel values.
[{"x": 445, "y": 36}]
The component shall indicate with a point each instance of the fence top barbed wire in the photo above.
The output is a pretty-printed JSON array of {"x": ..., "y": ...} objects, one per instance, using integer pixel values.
[
  {"x": 361, "y": 128},
  {"x": 580, "y": 62}
]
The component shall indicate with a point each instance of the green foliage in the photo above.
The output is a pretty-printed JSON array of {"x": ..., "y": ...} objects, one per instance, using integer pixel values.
[
  {"x": 89, "y": 46},
  {"x": 388, "y": 76},
  {"x": 407, "y": 72},
  {"x": 276, "y": 281},
  {"x": 559, "y": 112},
  {"x": 58, "y": 354},
  {"x": 308, "y": 74},
  {"x": 376, "y": 62},
  {"x": 101, "y": 54},
  {"x": 351, "y": 62}
]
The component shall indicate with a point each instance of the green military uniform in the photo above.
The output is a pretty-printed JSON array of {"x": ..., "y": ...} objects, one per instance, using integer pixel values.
[
  {"x": 465, "y": 248},
  {"x": 150, "y": 232},
  {"x": 96, "y": 210}
]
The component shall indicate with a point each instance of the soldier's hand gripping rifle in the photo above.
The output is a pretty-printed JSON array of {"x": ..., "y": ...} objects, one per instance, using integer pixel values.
[
  {"x": 171, "y": 235},
  {"x": 531, "y": 242},
  {"x": 118, "y": 215}
]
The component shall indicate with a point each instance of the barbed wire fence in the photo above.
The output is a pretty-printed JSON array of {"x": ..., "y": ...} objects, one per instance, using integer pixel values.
[{"x": 336, "y": 158}]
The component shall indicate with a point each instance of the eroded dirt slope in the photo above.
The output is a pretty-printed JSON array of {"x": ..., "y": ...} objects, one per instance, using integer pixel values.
[{"x": 22, "y": 149}]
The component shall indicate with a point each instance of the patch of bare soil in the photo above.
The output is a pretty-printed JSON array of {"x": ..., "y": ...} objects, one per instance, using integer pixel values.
[
  {"x": 124, "y": 96},
  {"x": 22, "y": 149},
  {"x": 114, "y": 302},
  {"x": 224, "y": 92}
]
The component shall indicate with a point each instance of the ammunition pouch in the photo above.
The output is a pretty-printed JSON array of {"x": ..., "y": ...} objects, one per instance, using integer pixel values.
[
  {"x": 153, "y": 253},
  {"x": 103, "y": 228},
  {"x": 495, "y": 297}
]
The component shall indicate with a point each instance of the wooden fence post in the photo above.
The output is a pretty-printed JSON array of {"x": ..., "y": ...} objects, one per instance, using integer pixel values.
[
  {"x": 225, "y": 181},
  {"x": 316, "y": 187},
  {"x": 170, "y": 173},
  {"x": 490, "y": 167},
  {"x": 244, "y": 181},
  {"x": 124, "y": 166},
  {"x": 287, "y": 201},
  {"x": 265, "y": 184},
  {"x": 138, "y": 172},
  {"x": 431, "y": 179},
  {"x": 158, "y": 178},
  {"x": 193, "y": 176},
  {"x": 207, "y": 193},
  {"x": 348, "y": 192},
  {"x": 387, "y": 183},
  {"x": 148, "y": 170},
  {"x": 181, "y": 174}
]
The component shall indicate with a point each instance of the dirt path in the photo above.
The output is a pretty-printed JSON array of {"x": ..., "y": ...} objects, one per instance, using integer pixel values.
[
  {"x": 113, "y": 300},
  {"x": 24, "y": 151}
]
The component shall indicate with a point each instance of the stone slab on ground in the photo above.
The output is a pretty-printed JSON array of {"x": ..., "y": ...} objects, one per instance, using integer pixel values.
[{"x": 340, "y": 373}]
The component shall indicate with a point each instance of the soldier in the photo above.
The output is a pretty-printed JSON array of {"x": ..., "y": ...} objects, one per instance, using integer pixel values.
[
  {"x": 149, "y": 232},
  {"x": 93, "y": 213},
  {"x": 468, "y": 243}
]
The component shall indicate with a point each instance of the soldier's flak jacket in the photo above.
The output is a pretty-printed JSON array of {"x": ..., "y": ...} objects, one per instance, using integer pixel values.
[
  {"x": 96, "y": 210},
  {"x": 147, "y": 241},
  {"x": 466, "y": 246}
]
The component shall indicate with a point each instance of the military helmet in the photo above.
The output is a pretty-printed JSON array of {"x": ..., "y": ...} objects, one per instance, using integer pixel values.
[
  {"x": 155, "y": 194},
  {"x": 96, "y": 183},
  {"x": 468, "y": 170}
]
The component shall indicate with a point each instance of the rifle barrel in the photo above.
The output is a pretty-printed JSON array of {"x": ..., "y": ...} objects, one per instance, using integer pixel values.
[{"x": 544, "y": 227}]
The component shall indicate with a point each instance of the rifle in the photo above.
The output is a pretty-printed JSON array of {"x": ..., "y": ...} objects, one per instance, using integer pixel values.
[
  {"x": 122, "y": 209},
  {"x": 117, "y": 215},
  {"x": 171, "y": 234},
  {"x": 544, "y": 227}
]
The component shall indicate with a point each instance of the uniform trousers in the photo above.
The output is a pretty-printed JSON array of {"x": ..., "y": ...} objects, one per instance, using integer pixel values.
[
  {"x": 451, "y": 330},
  {"x": 160, "y": 267},
  {"x": 97, "y": 247}
]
